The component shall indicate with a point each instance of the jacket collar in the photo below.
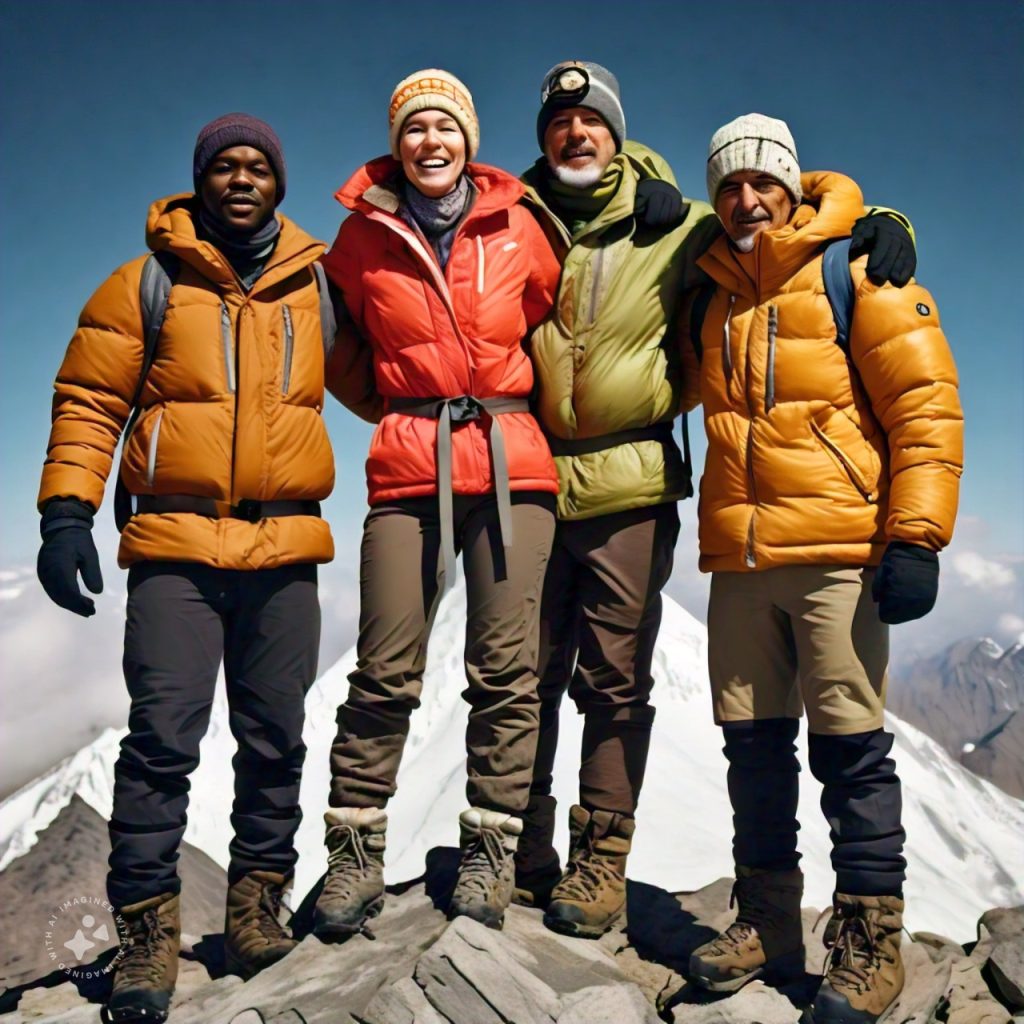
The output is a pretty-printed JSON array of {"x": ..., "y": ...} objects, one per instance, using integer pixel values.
[
  {"x": 832, "y": 202},
  {"x": 170, "y": 226}
]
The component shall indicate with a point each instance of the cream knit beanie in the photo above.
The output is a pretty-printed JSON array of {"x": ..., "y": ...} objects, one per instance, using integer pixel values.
[
  {"x": 433, "y": 89},
  {"x": 754, "y": 142}
]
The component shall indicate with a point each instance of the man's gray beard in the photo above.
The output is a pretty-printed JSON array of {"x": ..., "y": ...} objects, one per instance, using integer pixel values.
[
  {"x": 585, "y": 177},
  {"x": 746, "y": 243}
]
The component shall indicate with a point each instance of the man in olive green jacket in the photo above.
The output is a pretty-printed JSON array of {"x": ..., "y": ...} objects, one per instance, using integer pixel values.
[{"x": 609, "y": 384}]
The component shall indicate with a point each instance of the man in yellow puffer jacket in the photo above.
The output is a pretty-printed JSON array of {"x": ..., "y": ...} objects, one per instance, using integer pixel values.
[
  {"x": 830, "y": 485},
  {"x": 228, "y": 462}
]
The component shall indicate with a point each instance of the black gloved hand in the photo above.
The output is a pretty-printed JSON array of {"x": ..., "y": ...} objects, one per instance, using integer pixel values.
[
  {"x": 659, "y": 204},
  {"x": 906, "y": 582},
  {"x": 891, "y": 253},
  {"x": 68, "y": 548}
]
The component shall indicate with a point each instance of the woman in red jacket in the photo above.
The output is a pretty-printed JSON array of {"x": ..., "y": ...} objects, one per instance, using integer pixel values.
[{"x": 443, "y": 273}]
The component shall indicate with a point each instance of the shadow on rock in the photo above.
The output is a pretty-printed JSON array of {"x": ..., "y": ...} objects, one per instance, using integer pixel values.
[
  {"x": 92, "y": 982},
  {"x": 441, "y": 874}
]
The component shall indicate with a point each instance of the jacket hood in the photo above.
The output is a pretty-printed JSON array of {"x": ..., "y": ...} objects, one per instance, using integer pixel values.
[
  {"x": 375, "y": 187},
  {"x": 170, "y": 226},
  {"x": 831, "y": 204}
]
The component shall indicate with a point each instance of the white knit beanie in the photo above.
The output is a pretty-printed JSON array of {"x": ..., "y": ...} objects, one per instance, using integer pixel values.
[
  {"x": 433, "y": 89},
  {"x": 754, "y": 142}
]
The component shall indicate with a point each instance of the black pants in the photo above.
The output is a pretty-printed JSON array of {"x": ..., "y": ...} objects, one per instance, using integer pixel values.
[
  {"x": 861, "y": 799},
  {"x": 182, "y": 620}
]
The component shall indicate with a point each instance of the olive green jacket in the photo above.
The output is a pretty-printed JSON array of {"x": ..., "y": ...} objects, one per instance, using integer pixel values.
[{"x": 607, "y": 361}]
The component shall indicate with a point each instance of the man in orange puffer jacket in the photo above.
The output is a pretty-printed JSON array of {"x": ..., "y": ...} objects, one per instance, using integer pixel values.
[
  {"x": 228, "y": 462},
  {"x": 831, "y": 483}
]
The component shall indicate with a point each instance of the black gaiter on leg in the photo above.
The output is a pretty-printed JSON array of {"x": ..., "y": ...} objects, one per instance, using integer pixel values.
[
  {"x": 863, "y": 803},
  {"x": 764, "y": 787}
]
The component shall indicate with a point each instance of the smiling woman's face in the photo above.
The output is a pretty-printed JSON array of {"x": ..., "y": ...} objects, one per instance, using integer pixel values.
[{"x": 433, "y": 152}]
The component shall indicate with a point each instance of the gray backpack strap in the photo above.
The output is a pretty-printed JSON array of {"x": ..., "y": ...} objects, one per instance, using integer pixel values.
[
  {"x": 835, "y": 272},
  {"x": 328, "y": 319},
  {"x": 158, "y": 273}
]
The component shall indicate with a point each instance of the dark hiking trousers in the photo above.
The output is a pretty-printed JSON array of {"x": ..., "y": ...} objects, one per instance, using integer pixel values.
[
  {"x": 599, "y": 622},
  {"x": 861, "y": 799},
  {"x": 182, "y": 620},
  {"x": 399, "y": 595}
]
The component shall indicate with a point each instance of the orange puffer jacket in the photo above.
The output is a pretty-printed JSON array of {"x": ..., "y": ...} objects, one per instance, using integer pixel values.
[
  {"x": 813, "y": 459},
  {"x": 442, "y": 335},
  {"x": 231, "y": 406}
]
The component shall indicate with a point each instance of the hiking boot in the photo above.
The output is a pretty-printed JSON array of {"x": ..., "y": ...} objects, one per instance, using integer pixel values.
[
  {"x": 486, "y": 879},
  {"x": 538, "y": 869},
  {"x": 765, "y": 941},
  {"x": 354, "y": 885},
  {"x": 254, "y": 938},
  {"x": 148, "y": 968},
  {"x": 864, "y": 972},
  {"x": 592, "y": 894}
]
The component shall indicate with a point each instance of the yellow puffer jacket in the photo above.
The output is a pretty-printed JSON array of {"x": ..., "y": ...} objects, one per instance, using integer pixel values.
[
  {"x": 230, "y": 409},
  {"x": 813, "y": 459}
]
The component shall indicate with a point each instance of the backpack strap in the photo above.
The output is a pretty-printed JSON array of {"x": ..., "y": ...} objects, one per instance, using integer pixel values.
[
  {"x": 328, "y": 318},
  {"x": 158, "y": 273},
  {"x": 698, "y": 311},
  {"x": 835, "y": 272}
]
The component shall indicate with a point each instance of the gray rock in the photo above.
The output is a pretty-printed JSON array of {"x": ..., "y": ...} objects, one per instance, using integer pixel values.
[
  {"x": 1002, "y": 922},
  {"x": 967, "y": 999},
  {"x": 754, "y": 1004},
  {"x": 607, "y": 1004},
  {"x": 1006, "y": 963}
]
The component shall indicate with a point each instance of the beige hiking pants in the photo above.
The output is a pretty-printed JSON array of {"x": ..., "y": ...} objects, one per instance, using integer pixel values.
[
  {"x": 796, "y": 637},
  {"x": 399, "y": 592}
]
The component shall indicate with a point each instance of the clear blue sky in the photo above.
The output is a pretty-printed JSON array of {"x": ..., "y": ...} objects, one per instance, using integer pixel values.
[{"x": 101, "y": 101}]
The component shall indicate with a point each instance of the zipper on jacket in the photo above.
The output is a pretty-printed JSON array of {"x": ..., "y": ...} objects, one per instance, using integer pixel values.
[
  {"x": 869, "y": 495},
  {"x": 479, "y": 265},
  {"x": 227, "y": 337},
  {"x": 727, "y": 341},
  {"x": 289, "y": 344},
  {"x": 595, "y": 281},
  {"x": 748, "y": 550},
  {"x": 769, "y": 386},
  {"x": 154, "y": 440}
]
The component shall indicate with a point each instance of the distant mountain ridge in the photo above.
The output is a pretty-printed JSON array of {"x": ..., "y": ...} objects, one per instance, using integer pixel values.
[{"x": 970, "y": 700}]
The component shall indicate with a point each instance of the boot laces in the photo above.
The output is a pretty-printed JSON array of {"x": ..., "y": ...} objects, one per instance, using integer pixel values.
[
  {"x": 482, "y": 862},
  {"x": 855, "y": 954},
  {"x": 586, "y": 874},
  {"x": 347, "y": 859},
  {"x": 145, "y": 935}
]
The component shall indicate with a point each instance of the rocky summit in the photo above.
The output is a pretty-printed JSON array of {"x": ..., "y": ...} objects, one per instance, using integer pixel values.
[{"x": 414, "y": 967}]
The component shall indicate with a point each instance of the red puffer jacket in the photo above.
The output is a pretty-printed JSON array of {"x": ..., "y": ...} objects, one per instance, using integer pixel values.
[{"x": 444, "y": 334}]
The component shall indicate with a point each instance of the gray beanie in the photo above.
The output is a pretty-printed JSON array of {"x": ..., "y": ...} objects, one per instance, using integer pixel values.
[
  {"x": 579, "y": 83},
  {"x": 754, "y": 142}
]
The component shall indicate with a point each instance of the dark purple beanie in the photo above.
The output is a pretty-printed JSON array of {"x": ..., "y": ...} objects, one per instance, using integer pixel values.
[{"x": 238, "y": 130}]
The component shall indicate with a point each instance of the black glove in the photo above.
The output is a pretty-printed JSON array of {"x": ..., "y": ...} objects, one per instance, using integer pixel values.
[
  {"x": 906, "y": 582},
  {"x": 68, "y": 548},
  {"x": 659, "y": 204},
  {"x": 891, "y": 253}
]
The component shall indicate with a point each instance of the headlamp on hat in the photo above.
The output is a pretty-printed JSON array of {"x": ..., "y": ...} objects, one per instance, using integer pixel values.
[{"x": 566, "y": 85}]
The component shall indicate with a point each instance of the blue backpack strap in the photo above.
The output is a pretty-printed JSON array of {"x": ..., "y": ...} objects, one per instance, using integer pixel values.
[
  {"x": 158, "y": 273},
  {"x": 328, "y": 318},
  {"x": 835, "y": 272}
]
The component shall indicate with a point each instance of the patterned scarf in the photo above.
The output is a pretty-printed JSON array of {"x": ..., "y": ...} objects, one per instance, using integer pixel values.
[{"x": 437, "y": 218}]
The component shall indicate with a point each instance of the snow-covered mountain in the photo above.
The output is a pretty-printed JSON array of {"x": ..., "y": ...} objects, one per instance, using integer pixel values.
[{"x": 964, "y": 834}]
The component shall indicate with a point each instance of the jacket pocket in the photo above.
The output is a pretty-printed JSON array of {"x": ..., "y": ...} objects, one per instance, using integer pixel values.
[
  {"x": 227, "y": 336},
  {"x": 841, "y": 438},
  {"x": 154, "y": 441},
  {"x": 289, "y": 346}
]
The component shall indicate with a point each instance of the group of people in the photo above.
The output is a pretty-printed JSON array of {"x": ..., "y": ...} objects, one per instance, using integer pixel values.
[{"x": 524, "y": 346}]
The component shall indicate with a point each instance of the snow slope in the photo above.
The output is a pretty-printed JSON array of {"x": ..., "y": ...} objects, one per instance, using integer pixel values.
[{"x": 964, "y": 843}]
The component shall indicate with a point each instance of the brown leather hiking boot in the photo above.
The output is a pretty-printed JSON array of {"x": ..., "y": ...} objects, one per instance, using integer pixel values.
[
  {"x": 864, "y": 972},
  {"x": 254, "y": 938},
  {"x": 538, "y": 869},
  {"x": 486, "y": 873},
  {"x": 147, "y": 970},
  {"x": 353, "y": 889},
  {"x": 592, "y": 894},
  {"x": 766, "y": 939}
]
